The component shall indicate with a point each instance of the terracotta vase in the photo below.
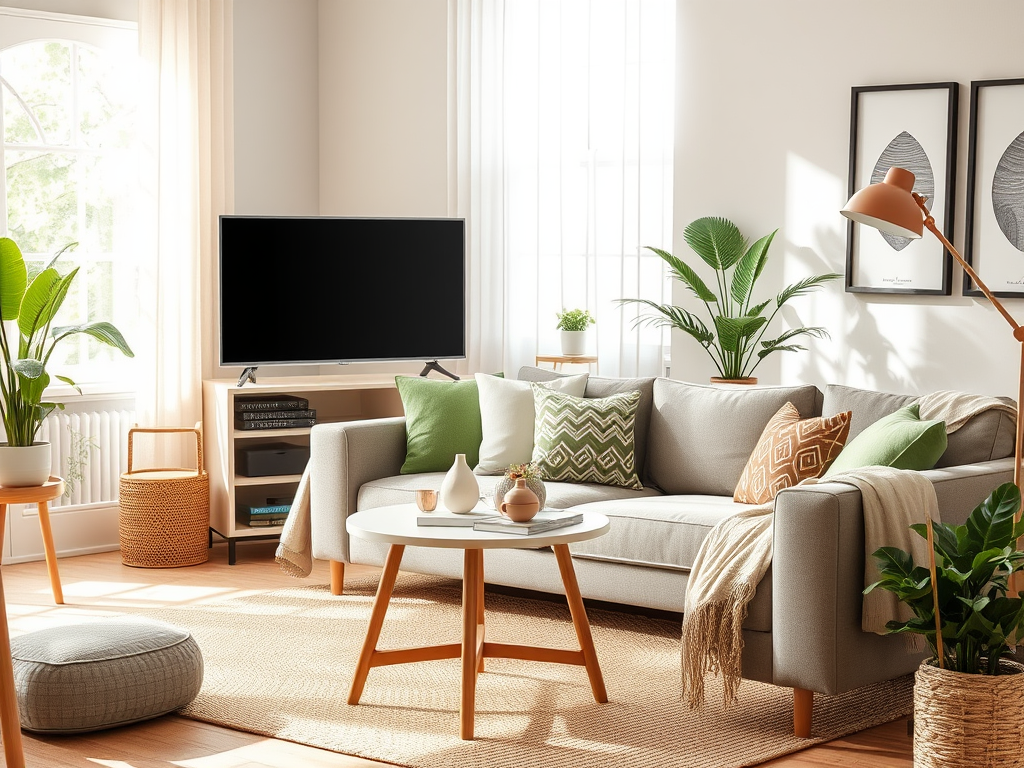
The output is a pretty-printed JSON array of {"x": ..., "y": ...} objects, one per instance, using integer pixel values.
[
  {"x": 506, "y": 484},
  {"x": 460, "y": 490},
  {"x": 520, "y": 504}
]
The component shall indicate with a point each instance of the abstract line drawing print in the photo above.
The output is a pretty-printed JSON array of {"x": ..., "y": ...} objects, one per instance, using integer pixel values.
[
  {"x": 905, "y": 151},
  {"x": 1008, "y": 193}
]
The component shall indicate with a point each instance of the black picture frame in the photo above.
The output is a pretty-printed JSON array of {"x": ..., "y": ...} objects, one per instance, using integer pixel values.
[
  {"x": 912, "y": 125},
  {"x": 994, "y": 224}
]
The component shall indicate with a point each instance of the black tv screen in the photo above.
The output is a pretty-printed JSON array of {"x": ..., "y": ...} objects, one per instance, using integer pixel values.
[{"x": 327, "y": 289}]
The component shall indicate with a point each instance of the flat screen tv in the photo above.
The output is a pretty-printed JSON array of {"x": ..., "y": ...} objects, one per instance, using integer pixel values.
[{"x": 326, "y": 289}]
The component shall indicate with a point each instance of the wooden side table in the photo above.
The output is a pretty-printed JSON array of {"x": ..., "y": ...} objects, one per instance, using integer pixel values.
[
  {"x": 41, "y": 496},
  {"x": 557, "y": 361}
]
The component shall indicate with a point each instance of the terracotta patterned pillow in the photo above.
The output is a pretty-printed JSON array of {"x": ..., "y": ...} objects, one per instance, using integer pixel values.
[{"x": 789, "y": 450}]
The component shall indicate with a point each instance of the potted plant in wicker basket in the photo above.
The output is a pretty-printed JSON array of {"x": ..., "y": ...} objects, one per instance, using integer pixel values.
[
  {"x": 969, "y": 696},
  {"x": 28, "y": 308}
]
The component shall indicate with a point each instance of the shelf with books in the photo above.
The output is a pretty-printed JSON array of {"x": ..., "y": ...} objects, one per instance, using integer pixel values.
[{"x": 332, "y": 398}]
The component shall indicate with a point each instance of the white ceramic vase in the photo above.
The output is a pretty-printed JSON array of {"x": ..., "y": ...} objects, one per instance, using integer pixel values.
[
  {"x": 22, "y": 466},
  {"x": 460, "y": 490},
  {"x": 574, "y": 342}
]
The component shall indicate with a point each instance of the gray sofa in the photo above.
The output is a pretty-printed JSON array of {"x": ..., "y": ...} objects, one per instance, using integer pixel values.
[{"x": 803, "y": 628}]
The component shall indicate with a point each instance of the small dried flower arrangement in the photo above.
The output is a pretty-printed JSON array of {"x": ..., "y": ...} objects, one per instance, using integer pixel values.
[{"x": 528, "y": 471}]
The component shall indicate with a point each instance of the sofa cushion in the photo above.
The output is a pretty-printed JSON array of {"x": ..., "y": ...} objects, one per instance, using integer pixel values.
[
  {"x": 656, "y": 531},
  {"x": 507, "y": 418},
  {"x": 986, "y": 437},
  {"x": 790, "y": 450},
  {"x": 603, "y": 386},
  {"x": 442, "y": 419},
  {"x": 586, "y": 440},
  {"x": 902, "y": 440},
  {"x": 701, "y": 436}
]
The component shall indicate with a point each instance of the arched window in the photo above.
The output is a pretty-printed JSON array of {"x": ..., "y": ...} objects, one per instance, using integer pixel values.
[{"x": 67, "y": 118}]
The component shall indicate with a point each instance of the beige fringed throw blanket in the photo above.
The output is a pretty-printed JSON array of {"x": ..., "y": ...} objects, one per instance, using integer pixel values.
[
  {"x": 737, "y": 552},
  {"x": 295, "y": 550}
]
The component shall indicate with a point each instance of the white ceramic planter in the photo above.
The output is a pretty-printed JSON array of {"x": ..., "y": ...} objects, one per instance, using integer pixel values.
[
  {"x": 574, "y": 342},
  {"x": 22, "y": 466}
]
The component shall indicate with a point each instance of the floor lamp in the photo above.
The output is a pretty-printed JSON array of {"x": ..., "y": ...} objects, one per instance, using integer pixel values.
[{"x": 893, "y": 207}]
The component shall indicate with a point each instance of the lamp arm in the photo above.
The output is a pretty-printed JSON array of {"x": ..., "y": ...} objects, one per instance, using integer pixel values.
[{"x": 929, "y": 222}]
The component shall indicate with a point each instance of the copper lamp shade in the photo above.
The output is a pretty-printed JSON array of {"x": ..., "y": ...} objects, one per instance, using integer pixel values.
[{"x": 889, "y": 206}]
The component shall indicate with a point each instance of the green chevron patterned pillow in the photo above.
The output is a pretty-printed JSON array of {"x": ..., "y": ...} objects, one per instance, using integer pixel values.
[{"x": 586, "y": 440}]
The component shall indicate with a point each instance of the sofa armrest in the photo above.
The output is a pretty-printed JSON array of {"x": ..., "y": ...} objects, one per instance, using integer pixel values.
[
  {"x": 818, "y": 578},
  {"x": 342, "y": 457}
]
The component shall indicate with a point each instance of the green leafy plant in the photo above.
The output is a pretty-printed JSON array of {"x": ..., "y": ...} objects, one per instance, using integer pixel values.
[
  {"x": 29, "y": 307},
  {"x": 734, "y": 337},
  {"x": 973, "y": 563},
  {"x": 574, "y": 320}
]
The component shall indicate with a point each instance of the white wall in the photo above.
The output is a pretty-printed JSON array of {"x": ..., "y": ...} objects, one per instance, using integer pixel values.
[
  {"x": 763, "y": 138},
  {"x": 383, "y": 107},
  {"x": 276, "y": 79},
  {"x": 122, "y": 10}
]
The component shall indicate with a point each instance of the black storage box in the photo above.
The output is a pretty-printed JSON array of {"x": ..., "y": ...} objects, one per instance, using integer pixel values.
[{"x": 272, "y": 459}]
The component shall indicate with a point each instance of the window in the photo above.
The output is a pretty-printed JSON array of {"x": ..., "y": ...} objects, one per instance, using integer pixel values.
[{"x": 67, "y": 117}]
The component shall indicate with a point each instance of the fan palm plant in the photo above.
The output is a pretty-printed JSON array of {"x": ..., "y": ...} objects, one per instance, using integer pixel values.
[{"x": 734, "y": 340}]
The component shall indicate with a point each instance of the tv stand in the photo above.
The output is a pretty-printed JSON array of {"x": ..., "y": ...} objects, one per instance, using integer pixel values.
[
  {"x": 249, "y": 374},
  {"x": 433, "y": 365}
]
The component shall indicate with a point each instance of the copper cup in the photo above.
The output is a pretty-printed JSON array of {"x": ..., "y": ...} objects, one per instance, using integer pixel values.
[{"x": 426, "y": 500}]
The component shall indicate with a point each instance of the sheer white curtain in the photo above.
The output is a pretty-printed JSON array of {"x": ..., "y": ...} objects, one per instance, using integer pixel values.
[
  {"x": 563, "y": 123},
  {"x": 186, "y": 51}
]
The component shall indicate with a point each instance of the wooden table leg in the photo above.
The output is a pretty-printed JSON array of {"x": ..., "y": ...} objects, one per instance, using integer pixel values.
[
  {"x": 337, "y": 577},
  {"x": 10, "y": 722},
  {"x": 51, "y": 554},
  {"x": 580, "y": 621},
  {"x": 380, "y": 606},
  {"x": 471, "y": 639},
  {"x": 480, "y": 611}
]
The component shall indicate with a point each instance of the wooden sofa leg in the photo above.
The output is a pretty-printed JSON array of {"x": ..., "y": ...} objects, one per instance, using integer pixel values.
[
  {"x": 337, "y": 577},
  {"x": 803, "y": 708}
]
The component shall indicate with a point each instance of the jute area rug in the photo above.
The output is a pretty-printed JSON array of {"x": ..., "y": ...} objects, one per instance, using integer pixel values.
[{"x": 280, "y": 664}]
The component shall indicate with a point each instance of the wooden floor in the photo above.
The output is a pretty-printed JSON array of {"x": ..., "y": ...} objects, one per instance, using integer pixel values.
[{"x": 101, "y": 584}]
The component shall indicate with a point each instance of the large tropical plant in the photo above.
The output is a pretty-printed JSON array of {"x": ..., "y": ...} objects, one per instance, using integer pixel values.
[
  {"x": 28, "y": 338},
  {"x": 980, "y": 622},
  {"x": 734, "y": 338}
]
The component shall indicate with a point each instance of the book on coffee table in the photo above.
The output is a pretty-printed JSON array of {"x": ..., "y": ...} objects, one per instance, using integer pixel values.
[
  {"x": 450, "y": 519},
  {"x": 545, "y": 520}
]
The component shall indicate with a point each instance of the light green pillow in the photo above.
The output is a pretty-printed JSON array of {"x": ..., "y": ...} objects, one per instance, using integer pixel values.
[
  {"x": 586, "y": 440},
  {"x": 442, "y": 418},
  {"x": 901, "y": 440}
]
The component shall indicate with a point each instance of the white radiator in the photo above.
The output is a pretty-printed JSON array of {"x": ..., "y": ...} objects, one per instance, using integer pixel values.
[{"x": 89, "y": 449}]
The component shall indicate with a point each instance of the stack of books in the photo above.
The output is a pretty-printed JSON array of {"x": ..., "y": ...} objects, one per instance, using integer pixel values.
[
  {"x": 545, "y": 520},
  {"x": 269, "y": 515},
  {"x": 273, "y": 412}
]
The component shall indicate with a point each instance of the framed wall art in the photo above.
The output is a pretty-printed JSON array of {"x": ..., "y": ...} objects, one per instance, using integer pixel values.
[
  {"x": 994, "y": 234},
  {"x": 914, "y": 127}
]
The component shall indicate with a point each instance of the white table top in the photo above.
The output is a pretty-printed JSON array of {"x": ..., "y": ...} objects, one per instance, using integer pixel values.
[{"x": 397, "y": 525}]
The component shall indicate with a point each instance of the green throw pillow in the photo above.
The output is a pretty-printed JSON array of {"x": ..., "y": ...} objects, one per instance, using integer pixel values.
[
  {"x": 901, "y": 440},
  {"x": 442, "y": 418},
  {"x": 586, "y": 440}
]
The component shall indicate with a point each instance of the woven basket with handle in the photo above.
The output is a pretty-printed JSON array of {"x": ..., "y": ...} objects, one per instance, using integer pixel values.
[{"x": 165, "y": 512}]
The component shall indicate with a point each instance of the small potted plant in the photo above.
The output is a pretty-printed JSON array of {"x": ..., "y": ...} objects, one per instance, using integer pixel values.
[
  {"x": 29, "y": 307},
  {"x": 529, "y": 472},
  {"x": 969, "y": 696},
  {"x": 573, "y": 323}
]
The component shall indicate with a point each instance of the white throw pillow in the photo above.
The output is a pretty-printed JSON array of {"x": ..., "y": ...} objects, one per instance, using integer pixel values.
[{"x": 507, "y": 418}]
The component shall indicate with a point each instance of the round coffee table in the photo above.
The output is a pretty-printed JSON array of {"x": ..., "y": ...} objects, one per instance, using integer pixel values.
[{"x": 396, "y": 526}]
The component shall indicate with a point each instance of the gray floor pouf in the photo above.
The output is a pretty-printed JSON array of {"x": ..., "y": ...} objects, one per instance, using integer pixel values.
[{"x": 85, "y": 677}]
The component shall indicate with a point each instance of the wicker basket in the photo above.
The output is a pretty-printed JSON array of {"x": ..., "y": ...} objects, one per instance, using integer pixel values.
[
  {"x": 969, "y": 721},
  {"x": 165, "y": 513}
]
